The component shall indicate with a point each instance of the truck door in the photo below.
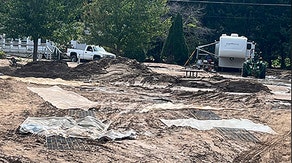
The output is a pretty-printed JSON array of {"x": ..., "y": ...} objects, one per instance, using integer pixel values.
[{"x": 88, "y": 53}]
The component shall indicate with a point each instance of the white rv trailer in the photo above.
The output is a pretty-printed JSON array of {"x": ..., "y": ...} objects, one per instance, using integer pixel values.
[{"x": 230, "y": 51}]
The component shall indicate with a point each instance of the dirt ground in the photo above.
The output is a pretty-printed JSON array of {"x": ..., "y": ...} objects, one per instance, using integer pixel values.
[{"x": 124, "y": 88}]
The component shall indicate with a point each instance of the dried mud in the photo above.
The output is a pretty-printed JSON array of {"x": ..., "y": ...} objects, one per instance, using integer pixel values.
[
  {"x": 60, "y": 69},
  {"x": 123, "y": 87}
]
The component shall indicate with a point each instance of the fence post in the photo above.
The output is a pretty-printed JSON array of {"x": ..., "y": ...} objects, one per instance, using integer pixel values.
[
  {"x": 3, "y": 43},
  {"x": 19, "y": 43},
  {"x": 78, "y": 58}
]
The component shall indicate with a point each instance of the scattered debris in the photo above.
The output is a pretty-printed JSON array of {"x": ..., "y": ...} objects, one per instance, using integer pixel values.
[{"x": 87, "y": 127}]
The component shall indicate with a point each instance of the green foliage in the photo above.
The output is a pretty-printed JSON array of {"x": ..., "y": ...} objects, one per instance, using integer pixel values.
[
  {"x": 288, "y": 63},
  {"x": 138, "y": 55},
  {"x": 175, "y": 49},
  {"x": 194, "y": 31},
  {"x": 30, "y": 18},
  {"x": 125, "y": 25},
  {"x": 2, "y": 55},
  {"x": 71, "y": 25},
  {"x": 276, "y": 63},
  {"x": 154, "y": 53},
  {"x": 70, "y": 31},
  {"x": 44, "y": 19},
  {"x": 3, "y": 14}
]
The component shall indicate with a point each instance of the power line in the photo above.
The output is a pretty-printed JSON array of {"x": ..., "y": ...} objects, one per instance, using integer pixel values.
[{"x": 234, "y": 3}]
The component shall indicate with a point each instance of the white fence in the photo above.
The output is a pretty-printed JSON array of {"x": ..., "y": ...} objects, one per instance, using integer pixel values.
[{"x": 24, "y": 47}]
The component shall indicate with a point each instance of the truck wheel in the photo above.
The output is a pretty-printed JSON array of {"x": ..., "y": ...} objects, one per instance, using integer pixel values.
[
  {"x": 95, "y": 58},
  {"x": 74, "y": 58}
]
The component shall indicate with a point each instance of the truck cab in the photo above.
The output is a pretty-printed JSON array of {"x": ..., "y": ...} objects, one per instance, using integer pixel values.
[{"x": 89, "y": 52}]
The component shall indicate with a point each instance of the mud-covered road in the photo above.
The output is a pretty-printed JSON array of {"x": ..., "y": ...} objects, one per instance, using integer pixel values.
[{"x": 139, "y": 97}]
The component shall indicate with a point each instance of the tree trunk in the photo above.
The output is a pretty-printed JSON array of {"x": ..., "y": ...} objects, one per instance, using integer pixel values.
[{"x": 35, "y": 49}]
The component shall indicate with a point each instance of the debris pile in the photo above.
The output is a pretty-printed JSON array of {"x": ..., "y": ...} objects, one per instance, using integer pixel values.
[
  {"x": 242, "y": 86},
  {"x": 45, "y": 69},
  {"x": 60, "y": 69}
]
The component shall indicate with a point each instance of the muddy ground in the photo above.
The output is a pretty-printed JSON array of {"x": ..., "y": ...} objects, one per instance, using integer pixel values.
[{"x": 123, "y": 88}]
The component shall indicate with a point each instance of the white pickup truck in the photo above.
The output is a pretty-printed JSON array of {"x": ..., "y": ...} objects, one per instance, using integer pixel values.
[{"x": 90, "y": 52}]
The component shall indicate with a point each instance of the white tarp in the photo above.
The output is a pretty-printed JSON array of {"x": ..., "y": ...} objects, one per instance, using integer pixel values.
[
  {"x": 172, "y": 106},
  {"x": 88, "y": 127},
  {"x": 63, "y": 99},
  {"x": 228, "y": 123}
]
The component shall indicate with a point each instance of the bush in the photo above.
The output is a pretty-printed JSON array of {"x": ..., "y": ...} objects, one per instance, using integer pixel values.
[
  {"x": 2, "y": 55},
  {"x": 139, "y": 55},
  {"x": 277, "y": 63}
]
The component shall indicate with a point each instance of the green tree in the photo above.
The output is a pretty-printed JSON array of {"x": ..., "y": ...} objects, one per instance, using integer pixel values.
[
  {"x": 126, "y": 26},
  {"x": 175, "y": 49},
  {"x": 194, "y": 31},
  {"x": 272, "y": 34},
  {"x": 36, "y": 18},
  {"x": 71, "y": 24},
  {"x": 3, "y": 14},
  {"x": 29, "y": 18}
]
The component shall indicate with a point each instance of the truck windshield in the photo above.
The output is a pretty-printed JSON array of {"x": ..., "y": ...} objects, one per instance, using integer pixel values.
[{"x": 98, "y": 48}]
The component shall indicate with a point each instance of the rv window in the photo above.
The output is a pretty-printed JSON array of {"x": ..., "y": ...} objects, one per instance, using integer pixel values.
[{"x": 248, "y": 46}]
